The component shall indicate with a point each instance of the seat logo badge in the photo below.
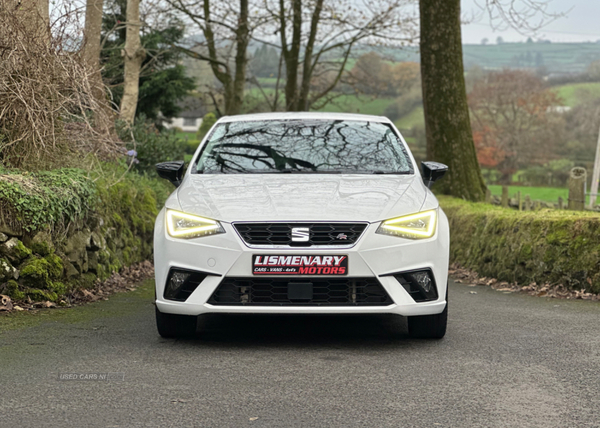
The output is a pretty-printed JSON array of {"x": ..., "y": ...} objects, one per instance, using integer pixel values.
[
  {"x": 300, "y": 234},
  {"x": 342, "y": 236}
]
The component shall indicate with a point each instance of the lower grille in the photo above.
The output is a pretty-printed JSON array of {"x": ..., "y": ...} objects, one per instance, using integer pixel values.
[{"x": 325, "y": 292}]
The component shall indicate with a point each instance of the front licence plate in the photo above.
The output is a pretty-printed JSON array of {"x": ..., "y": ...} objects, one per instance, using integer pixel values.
[{"x": 299, "y": 265}]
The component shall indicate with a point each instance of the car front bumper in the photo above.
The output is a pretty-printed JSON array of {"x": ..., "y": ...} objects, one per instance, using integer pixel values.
[{"x": 373, "y": 256}]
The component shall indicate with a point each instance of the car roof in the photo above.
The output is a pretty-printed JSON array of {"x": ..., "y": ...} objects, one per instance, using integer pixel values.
[{"x": 304, "y": 115}]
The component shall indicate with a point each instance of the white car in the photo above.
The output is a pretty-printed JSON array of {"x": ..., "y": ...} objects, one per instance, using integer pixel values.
[{"x": 302, "y": 213}]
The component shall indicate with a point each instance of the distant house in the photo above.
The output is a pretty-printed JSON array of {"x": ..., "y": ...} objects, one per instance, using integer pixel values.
[{"x": 190, "y": 116}]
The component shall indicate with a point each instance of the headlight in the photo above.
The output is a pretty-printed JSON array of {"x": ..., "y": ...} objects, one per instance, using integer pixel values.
[
  {"x": 185, "y": 226},
  {"x": 414, "y": 226}
]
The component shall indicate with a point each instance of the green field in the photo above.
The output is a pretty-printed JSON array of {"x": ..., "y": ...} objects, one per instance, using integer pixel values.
[
  {"x": 362, "y": 104},
  {"x": 358, "y": 104},
  {"x": 576, "y": 93},
  {"x": 412, "y": 119},
  {"x": 554, "y": 57},
  {"x": 547, "y": 194},
  {"x": 185, "y": 135}
]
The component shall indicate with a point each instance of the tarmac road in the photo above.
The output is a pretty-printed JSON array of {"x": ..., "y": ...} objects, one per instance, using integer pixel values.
[{"x": 508, "y": 360}]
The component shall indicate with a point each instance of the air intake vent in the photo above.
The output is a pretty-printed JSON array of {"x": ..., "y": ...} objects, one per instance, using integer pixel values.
[{"x": 300, "y": 292}]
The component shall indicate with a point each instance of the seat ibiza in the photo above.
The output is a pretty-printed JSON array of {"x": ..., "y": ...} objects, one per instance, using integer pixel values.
[{"x": 302, "y": 213}]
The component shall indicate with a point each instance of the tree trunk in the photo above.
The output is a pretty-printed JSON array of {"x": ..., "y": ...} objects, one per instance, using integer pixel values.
[
  {"x": 91, "y": 47},
  {"x": 134, "y": 56},
  {"x": 239, "y": 80},
  {"x": 307, "y": 67},
  {"x": 447, "y": 123},
  {"x": 291, "y": 55},
  {"x": 92, "y": 32}
]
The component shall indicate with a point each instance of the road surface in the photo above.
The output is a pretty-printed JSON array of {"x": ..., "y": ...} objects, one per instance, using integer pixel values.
[{"x": 508, "y": 360}]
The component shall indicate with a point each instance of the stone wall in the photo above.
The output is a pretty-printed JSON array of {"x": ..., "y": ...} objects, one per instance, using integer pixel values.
[
  {"x": 75, "y": 247},
  {"x": 39, "y": 266}
]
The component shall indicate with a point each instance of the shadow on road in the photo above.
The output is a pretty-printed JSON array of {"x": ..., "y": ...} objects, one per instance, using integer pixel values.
[{"x": 302, "y": 330}]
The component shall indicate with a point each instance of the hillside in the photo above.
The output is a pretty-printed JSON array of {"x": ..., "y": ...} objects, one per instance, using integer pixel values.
[{"x": 555, "y": 57}]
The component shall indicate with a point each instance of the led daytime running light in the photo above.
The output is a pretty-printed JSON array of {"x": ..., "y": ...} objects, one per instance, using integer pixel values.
[
  {"x": 401, "y": 226},
  {"x": 200, "y": 226}
]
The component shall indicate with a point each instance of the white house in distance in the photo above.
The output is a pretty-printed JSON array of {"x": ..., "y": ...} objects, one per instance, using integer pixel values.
[{"x": 190, "y": 116}]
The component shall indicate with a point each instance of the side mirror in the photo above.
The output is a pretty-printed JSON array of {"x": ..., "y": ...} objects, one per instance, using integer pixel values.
[
  {"x": 172, "y": 171},
  {"x": 432, "y": 171}
]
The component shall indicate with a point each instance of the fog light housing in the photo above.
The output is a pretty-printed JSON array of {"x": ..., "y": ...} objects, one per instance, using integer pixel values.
[
  {"x": 423, "y": 280},
  {"x": 419, "y": 284},
  {"x": 182, "y": 283}
]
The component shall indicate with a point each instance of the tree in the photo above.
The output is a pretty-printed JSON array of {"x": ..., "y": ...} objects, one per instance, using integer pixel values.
[
  {"x": 227, "y": 29},
  {"x": 92, "y": 33},
  {"x": 593, "y": 71},
  {"x": 265, "y": 62},
  {"x": 91, "y": 47},
  {"x": 374, "y": 76},
  {"x": 312, "y": 33},
  {"x": 134, "y": 55},
  {"x": 370, "y": 75},
  {"x": 163, "y": 81},
  {"x": 500, "y": 40},
  {"x": 514, "y": 122},
  {"x": 45, "y": 91},
  {"x": 447, "y": 122},
  {"x": 448, "y": 127},
  {"x": 485, "y": 41}
]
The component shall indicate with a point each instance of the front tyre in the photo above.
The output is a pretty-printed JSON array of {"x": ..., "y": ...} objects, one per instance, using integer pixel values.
[
  {"x": 174, "y": 326},
  {"x": 429, "y": 326}
]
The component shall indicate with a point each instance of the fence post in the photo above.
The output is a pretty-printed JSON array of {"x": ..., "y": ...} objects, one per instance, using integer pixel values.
[
  {"x": 527, "y": 203},
  {"x": 561, "y": 203},
  {"x": 577, "y": 180},
  {"x": 519, "y": 202},
  {"x": 505, "y": 196},
  {"x": 488, "y": 196}
]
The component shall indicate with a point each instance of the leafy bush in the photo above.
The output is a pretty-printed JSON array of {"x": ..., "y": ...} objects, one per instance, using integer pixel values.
[
  {"x": 208, "y": 121},
  {"x": 547, "y": 246},
  {"x": 31, "y": 201},
  {"x": 149, "y": 145},
  {"x": 191, "y": 146}
]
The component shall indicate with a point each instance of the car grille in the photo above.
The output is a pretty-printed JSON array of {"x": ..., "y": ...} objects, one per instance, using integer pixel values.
[
  {"x": 325, "y": 292},
  {"x": 340, "y": 234}
]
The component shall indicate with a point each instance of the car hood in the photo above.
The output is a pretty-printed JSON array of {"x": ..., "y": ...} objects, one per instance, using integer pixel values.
[{"x": 300, "y": 197}]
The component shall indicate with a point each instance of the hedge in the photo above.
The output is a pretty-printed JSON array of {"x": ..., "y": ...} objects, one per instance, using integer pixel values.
[{"x": 545, "y": 246}]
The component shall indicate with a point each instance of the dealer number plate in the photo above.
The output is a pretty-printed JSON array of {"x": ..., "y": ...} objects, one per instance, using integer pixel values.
[{"x": 299, "y": 265}]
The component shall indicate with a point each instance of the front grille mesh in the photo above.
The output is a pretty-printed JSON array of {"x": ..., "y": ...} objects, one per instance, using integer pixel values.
[
  {"x": 281, "y": 233},
  {"x": 326, "y": 292}
]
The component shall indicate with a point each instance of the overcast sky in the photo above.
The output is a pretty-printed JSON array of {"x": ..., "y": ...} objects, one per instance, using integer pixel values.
[{"x": 582, "y": 23}]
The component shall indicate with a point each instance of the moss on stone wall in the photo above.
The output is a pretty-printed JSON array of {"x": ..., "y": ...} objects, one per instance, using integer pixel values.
[
  {"x": 554, "y": 246},
  {"x": 115, "y": 230}
]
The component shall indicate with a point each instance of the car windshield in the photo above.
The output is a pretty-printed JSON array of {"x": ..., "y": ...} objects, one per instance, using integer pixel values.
[{"x": 303, "y": 146}]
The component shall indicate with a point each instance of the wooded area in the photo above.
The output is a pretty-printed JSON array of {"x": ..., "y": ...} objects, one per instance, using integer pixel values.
[{"x": 297, "y": 55}]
